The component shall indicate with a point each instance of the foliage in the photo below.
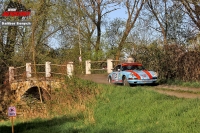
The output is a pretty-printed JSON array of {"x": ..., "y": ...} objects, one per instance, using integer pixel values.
[
  {"x": 76, "y": 98},
  {"x": 192, "y": 8},
  {"x": 62, "y": 31},
  {"x": 121, "y": 109},
  {"x": 189, "y": 66},
  {"x": 171, "y": 61},
  {"x": 191, "y": 84}
]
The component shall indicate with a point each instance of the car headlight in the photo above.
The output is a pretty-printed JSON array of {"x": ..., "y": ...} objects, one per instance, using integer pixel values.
[
  {"x": 132, "y": 76},
  {"x": 155, "y": 74}
]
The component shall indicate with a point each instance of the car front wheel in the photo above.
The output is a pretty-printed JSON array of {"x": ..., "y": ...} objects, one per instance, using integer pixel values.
[{"x": 125, "y": 82}]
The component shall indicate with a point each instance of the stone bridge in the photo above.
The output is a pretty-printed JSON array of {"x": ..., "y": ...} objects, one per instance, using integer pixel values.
[
  {"x": 38, "y": 78},
  {"x": 44, "y": 78}
]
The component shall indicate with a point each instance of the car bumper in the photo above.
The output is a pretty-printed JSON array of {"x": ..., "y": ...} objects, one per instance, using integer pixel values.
[{"x": 149, "y": 81}]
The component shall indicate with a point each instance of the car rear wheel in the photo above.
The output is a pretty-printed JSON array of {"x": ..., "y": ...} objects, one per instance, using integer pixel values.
[
  {"x": 109, "y": 80},
  {"x": 125, "y": 82}
]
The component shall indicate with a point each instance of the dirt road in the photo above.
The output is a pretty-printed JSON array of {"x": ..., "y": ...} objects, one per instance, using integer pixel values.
[
  {"x": 172, "y": 90},
  {"x": 98, "y": 78}
]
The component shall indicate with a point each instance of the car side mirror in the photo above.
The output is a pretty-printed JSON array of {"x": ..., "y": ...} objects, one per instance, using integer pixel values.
[{"x": 118, "y": 70}]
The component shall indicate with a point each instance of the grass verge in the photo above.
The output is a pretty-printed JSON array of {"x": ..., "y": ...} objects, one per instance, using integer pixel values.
[
  {"x": 118, "y": 109},
  {"x": 184, "y": 84}
]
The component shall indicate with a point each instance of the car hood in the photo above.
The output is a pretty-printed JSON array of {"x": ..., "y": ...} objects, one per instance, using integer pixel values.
[{"x": 142, "y": 74}]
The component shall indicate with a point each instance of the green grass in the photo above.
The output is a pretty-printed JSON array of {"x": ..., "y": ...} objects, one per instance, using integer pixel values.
[
  {"x": 121, "y": 109},
  {"x": 138, "y": 110},
  {"x": 178, "y": 90},
  {"x": 192, "y": 84}
]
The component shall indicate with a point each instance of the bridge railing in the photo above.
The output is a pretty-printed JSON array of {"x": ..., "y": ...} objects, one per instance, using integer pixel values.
[
  {"x": 17, "y": 73},
  {"x": 57, "y": 70},
  {"x": 44, "y": 71},
  {"x": 108, "y": 66}
]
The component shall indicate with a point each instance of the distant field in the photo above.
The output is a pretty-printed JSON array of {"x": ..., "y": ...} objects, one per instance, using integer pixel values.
[{"x": 118, "y": 109}]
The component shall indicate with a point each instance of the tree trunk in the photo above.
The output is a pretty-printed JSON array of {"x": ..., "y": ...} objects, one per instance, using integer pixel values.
[
  {"x": 98, "y": 25},
  {"x": 11, "y": 41}
]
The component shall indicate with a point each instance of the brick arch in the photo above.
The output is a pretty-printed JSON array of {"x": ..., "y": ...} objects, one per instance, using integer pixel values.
[
  {"x": 35, "y": 93},
  {"x": 22, "y": 87}
]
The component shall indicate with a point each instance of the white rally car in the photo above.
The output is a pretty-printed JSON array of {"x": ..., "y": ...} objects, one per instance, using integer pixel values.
[{"x": 132, "y": 73}]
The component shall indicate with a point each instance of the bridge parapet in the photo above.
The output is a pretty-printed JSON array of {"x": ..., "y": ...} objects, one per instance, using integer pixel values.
[
  {"x": 47, "y": 70},
  {"x": 47, "y": 77},
  {"x": 108, "y": 65},
  {"x": 48, "y": 85}
]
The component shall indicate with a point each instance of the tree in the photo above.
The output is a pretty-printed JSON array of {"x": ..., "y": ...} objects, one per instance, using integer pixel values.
[
  {"x": 10, "y": 40},
  {"x": 170, "y": 17},
  {"x": 114, "y": 31},
  {"x": 8, "y": 37},
  {"x": 133, "y": 11},
  {"x": 159, "y": 11},
  {"x": 193, "y": 10},
  {"x": 95, "y": 11}
]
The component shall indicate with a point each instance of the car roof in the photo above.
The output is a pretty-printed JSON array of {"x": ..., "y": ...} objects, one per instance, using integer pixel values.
[{"x": 131, "y": 64}]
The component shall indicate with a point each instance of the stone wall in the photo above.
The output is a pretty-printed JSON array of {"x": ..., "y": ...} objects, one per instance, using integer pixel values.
[
  {"x": 20, "y": 87},
  {"x": 28, "y": 111}
]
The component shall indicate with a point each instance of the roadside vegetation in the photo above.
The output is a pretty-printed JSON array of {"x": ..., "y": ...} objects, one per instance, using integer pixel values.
[
  {"x": 161, "y": 34},
  {"x": 184, "y": 84},
  {"x": 85, "y": 106}
]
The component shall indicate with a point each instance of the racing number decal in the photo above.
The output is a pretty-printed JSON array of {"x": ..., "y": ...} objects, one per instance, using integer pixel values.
[{"x": 115, "y": 76}]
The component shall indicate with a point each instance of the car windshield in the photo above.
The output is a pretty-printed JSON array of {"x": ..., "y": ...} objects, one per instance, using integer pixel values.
[{"x": 135, "y": 67}]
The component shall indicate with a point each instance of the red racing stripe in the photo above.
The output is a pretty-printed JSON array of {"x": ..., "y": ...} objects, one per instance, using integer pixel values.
[
  {"x": 135, "y": 74},
  {"x": 148, "y": 73}
]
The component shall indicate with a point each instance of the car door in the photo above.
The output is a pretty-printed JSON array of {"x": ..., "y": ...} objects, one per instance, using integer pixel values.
[{"x": 116, "y": 73}]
